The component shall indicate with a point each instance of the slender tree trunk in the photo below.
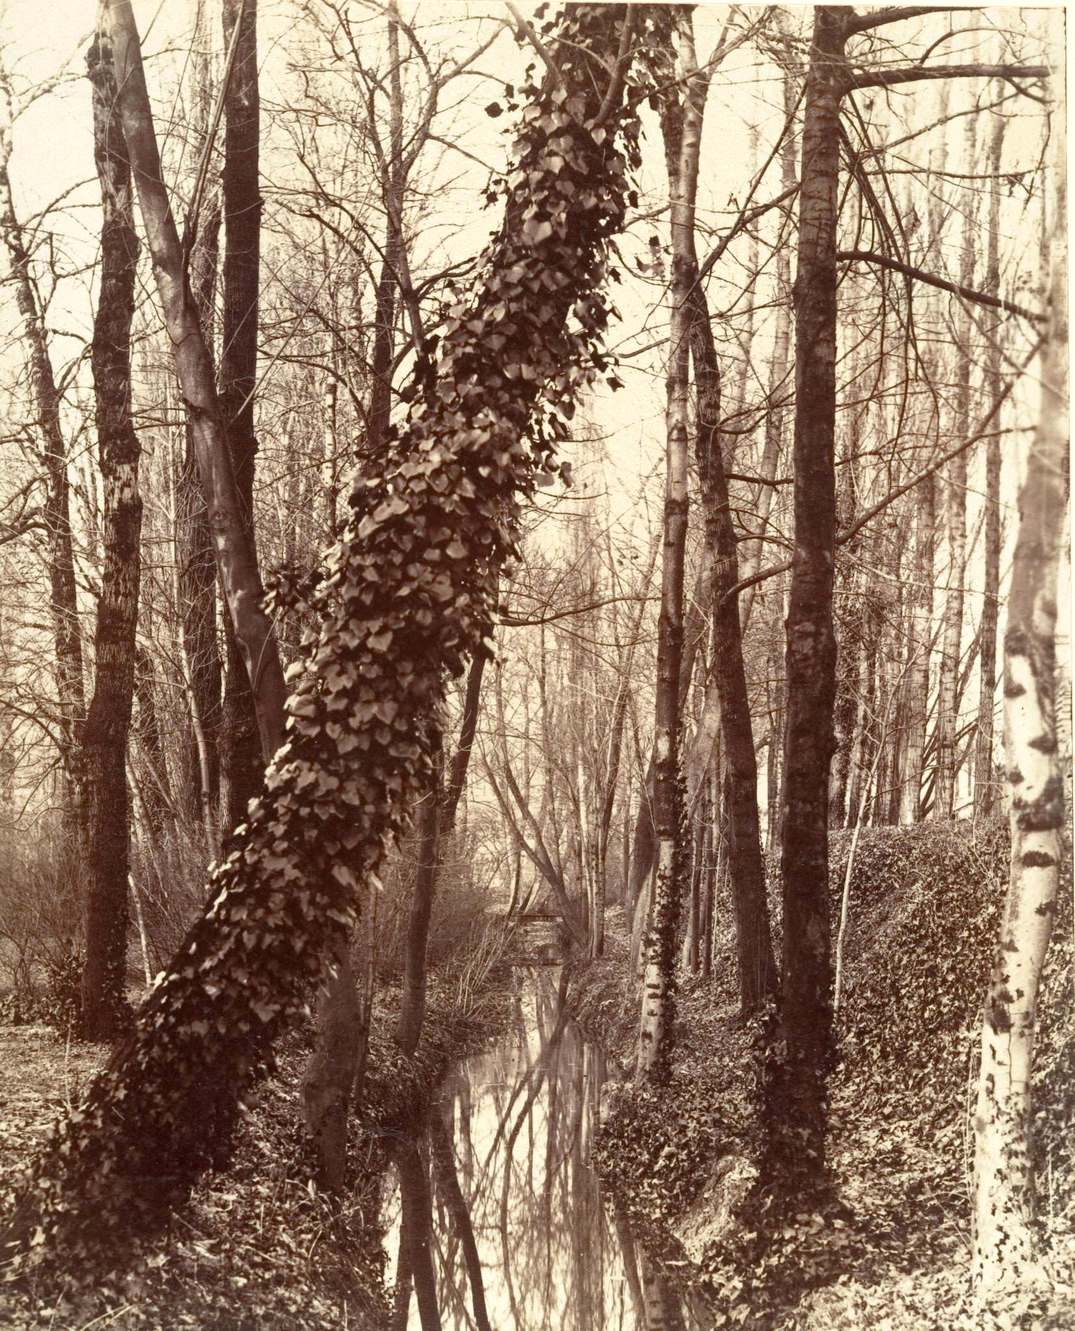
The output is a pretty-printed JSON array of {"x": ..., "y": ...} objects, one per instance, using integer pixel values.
[
  {"x": 683, "y": 127},
  {"x": 985, "y": 788},
  {"x": 798, "y": 1093},
  {"x": 196, "y": 579},
  {"x": 427, "y": 837},
  {"x": 776, "y": 415},
  {"x": 104, "y": 765},
  {"x": 775, "y": 703},
  {"x": 246, "y": 745},
  {"x": 644, "y": 840},
  {"x": 56, "y": 515},
  {"x": 1004, "y": 1242},
  {"x": 757, "y": 968},
  {"x": 956, "y": 511},
  {"x": 921, "y": 635}
]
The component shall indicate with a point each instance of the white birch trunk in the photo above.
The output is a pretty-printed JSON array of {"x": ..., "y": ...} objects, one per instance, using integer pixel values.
[{"x": 1004, "y": 1250}]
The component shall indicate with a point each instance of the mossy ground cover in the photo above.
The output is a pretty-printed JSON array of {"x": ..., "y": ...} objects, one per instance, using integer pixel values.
[
  {"x": 892, "y": 1249},
  {"x": 257, "y": 1249}
]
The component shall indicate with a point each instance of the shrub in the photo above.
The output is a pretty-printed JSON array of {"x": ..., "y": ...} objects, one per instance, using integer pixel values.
[{"x": 61, "y": 1002}]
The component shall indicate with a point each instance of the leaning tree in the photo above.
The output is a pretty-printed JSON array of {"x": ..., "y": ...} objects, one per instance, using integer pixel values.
[{"x": 408, "y": 596}]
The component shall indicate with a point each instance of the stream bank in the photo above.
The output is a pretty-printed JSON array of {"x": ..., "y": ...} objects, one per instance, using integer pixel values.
[
  {"x": 894, "y": 1255},
  {"x": 256, "y": 1249}
]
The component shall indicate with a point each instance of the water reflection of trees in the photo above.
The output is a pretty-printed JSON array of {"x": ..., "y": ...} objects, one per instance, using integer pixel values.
[{"x": 502, "y": 1221}]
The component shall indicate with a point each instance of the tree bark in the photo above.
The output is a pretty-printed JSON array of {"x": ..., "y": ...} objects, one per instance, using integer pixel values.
[
  {"x": 985, "y": 787},
  {"x": 918, "y": 675},
  {"x": 427, "y": 841},
  {"x": 196, "y": 580},
  {"x": 105, "y": 737},
  {"x": 56, "y": 515},
  {"x": 956, "y": 510},
  {"x": 329, "y": 1076},
  {"x": 248, "y": 736},
  {"x": 798, "y": 1093},
  {"x": 1004, "y": 1242},
  {"x": 683, "y": 126},
  {"x": 757, "y": 968}
]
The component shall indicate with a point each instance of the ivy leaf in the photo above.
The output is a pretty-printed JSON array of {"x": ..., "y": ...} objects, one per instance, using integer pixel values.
[{"x": 494, "y": 109}]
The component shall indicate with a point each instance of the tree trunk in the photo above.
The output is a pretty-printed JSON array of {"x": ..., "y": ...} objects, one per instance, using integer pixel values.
[
  {"x": 196, "y": 579},
  {"x": 247, "y": 742},
  {"x": 427, "y": 837},
  {"x": 956, "y": 510},
  {"x": 798, "y": 1094},
  {"x": 104, "y": 766},
  {"x": 644, "y": 838},
  {"x": 757, "y": 968},
  {"x": 921, "y": 635},
  {"x": 228, "y": 518},
  {"x": 328, "y": 1080},
  {"x": 985, "y": 787},
  {"x": 775, "y": 705},
  {"x": 683, "y": 125},
  {"x": 1004, "y": 1241},
  {"x": 56, "y": 515}
]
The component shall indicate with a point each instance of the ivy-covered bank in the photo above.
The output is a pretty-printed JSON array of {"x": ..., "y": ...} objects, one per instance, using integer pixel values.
[
  {"x": 257, "y": 1249},
  {"x": 891, "y": 1249}
]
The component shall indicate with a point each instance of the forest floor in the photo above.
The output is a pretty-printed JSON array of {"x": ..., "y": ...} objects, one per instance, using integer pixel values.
[
  {"x": 894, "y": 1254},
  {"x": 257, "y": 1249}
]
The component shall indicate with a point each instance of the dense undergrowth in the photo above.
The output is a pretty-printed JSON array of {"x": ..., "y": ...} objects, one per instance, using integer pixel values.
[
  {"x": 890, "y": 1248},
  {"x": 257, "y": 1249}
]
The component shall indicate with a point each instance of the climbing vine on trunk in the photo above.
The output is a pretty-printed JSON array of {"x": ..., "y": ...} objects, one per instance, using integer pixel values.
[{"x": 408, "y": 598}]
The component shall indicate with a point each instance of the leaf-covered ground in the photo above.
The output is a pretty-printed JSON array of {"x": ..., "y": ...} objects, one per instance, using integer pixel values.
[
  {"x": 894, "y": 1255},
  {"x": 256, "y": 1249}
]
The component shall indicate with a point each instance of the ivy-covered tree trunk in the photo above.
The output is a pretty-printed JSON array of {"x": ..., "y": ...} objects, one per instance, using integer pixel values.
[
  {"x": 683, "y": 129},
  {"x": 1004, "y": 1242},
  {"x": 409, "y": 597},
  {"x": 798, "y": 1097},
  {"x": 245, "y": 746},
  {"x": 104, "y": 743}
]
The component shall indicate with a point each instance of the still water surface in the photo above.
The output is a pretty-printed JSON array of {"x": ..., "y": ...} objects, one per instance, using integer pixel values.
[{"x": 495, "y": 1219}]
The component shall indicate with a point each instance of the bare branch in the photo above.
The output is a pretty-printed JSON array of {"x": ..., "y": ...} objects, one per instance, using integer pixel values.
[
  {"x": 895, "y": 14},
  {"x": 890, "y": 78},
  {"x": 942, "y": 283}
]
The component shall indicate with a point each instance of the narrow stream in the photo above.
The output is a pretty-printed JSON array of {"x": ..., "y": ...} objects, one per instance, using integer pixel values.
[{"x": 493, "y": 1214}]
